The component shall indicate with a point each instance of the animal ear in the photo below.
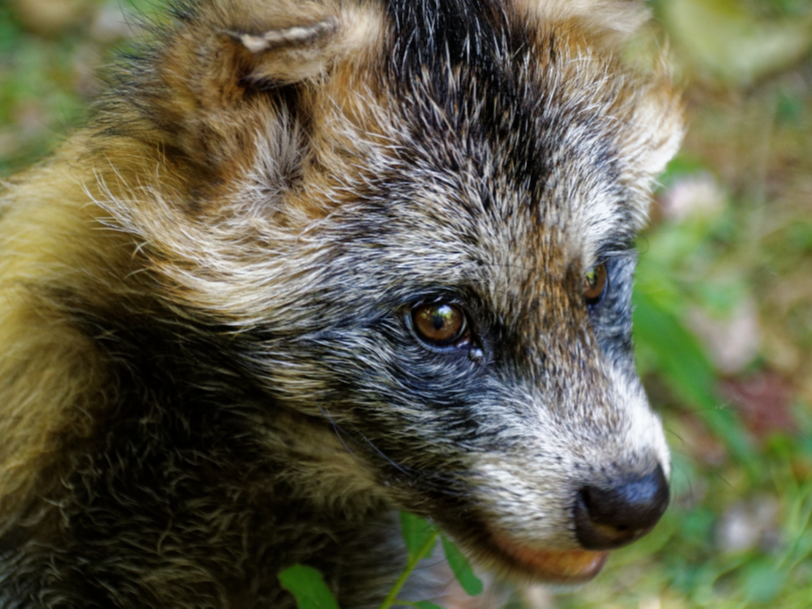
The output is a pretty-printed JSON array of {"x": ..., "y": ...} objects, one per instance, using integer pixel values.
[
  {"x": 654, "y": 132},
  {"x": 611, "y": 20},
  {"x": 291, "y": 41},
  {"x": 224, "y": 50},
  {"x": 224, "y": 69},
  {"x": 288, "y": 54}
]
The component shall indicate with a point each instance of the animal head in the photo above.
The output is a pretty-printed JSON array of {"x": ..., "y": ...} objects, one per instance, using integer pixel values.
[{"x": 414, "y": 223}]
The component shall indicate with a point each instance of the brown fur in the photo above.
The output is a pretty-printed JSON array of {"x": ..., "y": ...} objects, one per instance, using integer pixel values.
[{"x": 171, "y": 280}]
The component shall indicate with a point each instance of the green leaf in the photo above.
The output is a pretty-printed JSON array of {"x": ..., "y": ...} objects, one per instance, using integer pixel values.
[
  {"x": 687, "y": 371},
  {"x": 761, "y": 581},
  {"x": 307, "y": 585},
  {"x": 416, "y": 532},
  {"x": 426, "y": 605},
  {"x": 461, "y": 568},
  {"x": 730, "y": 42}
]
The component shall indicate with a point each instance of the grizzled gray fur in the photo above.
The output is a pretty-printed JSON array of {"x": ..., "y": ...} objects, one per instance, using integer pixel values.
[{"x": 314, "y": 262}]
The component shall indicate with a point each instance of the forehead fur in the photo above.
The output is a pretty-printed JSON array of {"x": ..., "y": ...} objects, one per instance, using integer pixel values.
[
  {"x": 523, "y": 109},
  {"x": 489, "y": 112}
]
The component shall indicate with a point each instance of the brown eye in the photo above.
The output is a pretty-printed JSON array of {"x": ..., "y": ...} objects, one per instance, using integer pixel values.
[
  {"x": 595, "y": 284},
  {"x": 439, "y": 324}
]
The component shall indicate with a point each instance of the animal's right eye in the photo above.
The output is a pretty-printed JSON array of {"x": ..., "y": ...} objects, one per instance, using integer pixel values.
[
  {"x": 595, "y": 284},
  {"x": 440, "y": 324}
]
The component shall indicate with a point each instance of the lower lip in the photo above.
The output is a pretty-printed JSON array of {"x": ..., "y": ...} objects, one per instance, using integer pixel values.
[{"x": 562, "y": 567}]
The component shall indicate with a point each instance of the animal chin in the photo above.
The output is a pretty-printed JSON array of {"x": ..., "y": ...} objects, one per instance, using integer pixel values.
[{"x": 550, "y": 566}]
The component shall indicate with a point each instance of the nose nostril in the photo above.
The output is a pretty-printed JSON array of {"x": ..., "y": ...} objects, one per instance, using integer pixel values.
[{"x": 612, "y": 515}]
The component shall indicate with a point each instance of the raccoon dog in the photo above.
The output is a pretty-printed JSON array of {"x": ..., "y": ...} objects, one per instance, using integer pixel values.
[{"x": 313, "y": 262}]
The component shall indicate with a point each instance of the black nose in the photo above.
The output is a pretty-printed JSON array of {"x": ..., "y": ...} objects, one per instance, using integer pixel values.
[{"x": 612, "y": 515}]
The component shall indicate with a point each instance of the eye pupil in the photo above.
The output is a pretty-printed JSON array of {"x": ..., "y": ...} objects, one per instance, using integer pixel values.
[
  {"x": 439, "y": 324},
  {"x": 595, "y": 284}
]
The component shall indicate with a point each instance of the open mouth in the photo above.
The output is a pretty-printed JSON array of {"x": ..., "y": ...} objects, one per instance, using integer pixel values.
[{"x": 551, "y": 566}]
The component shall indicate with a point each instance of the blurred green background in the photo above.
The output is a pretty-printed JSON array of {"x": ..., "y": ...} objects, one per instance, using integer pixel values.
[{"x": 724, "y": 291}]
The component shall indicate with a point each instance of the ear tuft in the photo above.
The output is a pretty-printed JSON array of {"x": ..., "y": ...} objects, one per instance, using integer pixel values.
[
  {"x": 231, "y": 65},
  {"x": 300, "y": 35},
  {"x": 613, "y": 21},
  {"x": 297, "y": 45}
]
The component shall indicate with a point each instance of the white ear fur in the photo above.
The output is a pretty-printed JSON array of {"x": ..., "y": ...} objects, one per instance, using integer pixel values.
[
  {"x": 613, "y": 19},
  {"x": 301, "y": 45},
  {"x": 653, "y": 136},
  {"x": 298, "y": 35},
  {"x": 660, "y": 116}
]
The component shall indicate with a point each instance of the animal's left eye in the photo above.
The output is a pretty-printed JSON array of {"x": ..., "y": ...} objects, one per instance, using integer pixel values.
[{"x": 595, "y": 283}]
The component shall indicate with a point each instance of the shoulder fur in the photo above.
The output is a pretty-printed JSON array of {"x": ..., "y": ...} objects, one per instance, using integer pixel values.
[{"x": 51, "y": 373}]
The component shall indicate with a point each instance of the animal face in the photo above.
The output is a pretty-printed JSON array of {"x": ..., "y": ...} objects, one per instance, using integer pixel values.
[
  {"x": 451, "y": 213},
  {"x": 399, "y": 235},
  {"x": 471, "y": 332}
]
